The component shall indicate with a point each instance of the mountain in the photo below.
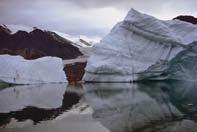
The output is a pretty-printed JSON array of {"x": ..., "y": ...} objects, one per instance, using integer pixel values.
[
  {"x": 137, "y": 44},
  {"x": 32, "y": 43},
  {"x": 81, "y": 41},
  {"x": 189, "y": 19}
]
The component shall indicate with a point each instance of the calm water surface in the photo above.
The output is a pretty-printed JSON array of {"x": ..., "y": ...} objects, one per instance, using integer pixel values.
[{"x": 104, "y": 107}]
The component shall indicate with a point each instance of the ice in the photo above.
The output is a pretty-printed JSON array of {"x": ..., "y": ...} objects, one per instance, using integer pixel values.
[
  {"x": 17, "y": 70},
  {"x": 181, "y": 67},
  {"x": 136, "y": 44}
]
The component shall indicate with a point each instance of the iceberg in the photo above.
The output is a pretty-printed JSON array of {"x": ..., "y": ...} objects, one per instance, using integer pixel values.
[
  {"x": 137, "y": 44},
  {"x": 182, "y": 67},
  {"x": 17, "y": 70}
]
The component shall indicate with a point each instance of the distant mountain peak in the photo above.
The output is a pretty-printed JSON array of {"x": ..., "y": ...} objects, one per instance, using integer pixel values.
[{"x": 187, "y": 18}]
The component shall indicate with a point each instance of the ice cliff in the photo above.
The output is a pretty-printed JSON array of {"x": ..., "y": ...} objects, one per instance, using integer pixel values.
[
  {"x": 181, "y": 67},
  {"x": 17, "y": 70},
  {"x": 137, "y": 44}
]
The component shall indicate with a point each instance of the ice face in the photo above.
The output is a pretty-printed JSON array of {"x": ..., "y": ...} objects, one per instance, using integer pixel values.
[
  {"x": 181, "y": 67},
  {"x": 136, "y": 44},
  {"x": 17, "y": 70}
]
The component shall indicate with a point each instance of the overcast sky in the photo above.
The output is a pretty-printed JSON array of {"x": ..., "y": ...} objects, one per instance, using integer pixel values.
[{"x": 86, "y": 17}]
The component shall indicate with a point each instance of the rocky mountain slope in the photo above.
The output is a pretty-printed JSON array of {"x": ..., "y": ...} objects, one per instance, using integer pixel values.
[
  {"x": 189, "y": 19},
  {"x": 35, "y": 44}
]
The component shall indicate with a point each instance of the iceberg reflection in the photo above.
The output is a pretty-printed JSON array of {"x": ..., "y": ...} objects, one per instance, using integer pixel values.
[
  {"x": 35, "y": 102},
  {"x": 144, "y": 107}
]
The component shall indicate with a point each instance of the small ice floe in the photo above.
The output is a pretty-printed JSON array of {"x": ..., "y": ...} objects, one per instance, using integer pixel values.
[{"x": 17, "y": 70}]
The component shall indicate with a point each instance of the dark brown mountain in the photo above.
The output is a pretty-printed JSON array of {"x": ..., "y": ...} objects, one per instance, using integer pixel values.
[
  {"x": 36, "y": 44},
  {"x": 189, "y": 19}
]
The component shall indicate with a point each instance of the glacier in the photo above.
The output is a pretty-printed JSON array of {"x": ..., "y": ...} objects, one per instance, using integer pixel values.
[
  {"x": 17, "y": 70},
  {"x": 137, "y": 45}
]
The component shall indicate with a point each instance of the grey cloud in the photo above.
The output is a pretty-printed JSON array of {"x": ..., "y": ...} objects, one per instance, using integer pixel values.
[
  {"x": 48, "y": 14},
  {"x": 126, "y": 4},
  {"x": 76, "y": 16},
  {"x": 158, "y": 8}
]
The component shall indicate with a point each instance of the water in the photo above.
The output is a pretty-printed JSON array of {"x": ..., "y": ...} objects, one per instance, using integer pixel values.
[{"x": 104, "y": 107}]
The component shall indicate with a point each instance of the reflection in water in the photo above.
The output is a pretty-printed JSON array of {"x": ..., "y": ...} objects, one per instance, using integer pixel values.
[
  {"x": 144, "y": 107},
  {"x": 35, "y": 102}
]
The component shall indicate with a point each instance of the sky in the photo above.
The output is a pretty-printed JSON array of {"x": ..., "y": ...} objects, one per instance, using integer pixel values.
[{"x": 87, "y": 17}]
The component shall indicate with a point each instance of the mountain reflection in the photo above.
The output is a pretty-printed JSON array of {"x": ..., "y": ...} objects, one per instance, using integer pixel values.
[{"x": 144, "y": 107}]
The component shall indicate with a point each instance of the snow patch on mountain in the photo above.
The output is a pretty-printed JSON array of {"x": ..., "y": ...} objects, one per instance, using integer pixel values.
[
  {"x": 16, "y": 28},
  {"x": 81, "y": 40}
]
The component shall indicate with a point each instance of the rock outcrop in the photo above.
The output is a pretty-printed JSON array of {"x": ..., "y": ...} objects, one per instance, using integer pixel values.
[
  {"x": 135, "y": 45},
  {"x": 189, "y": 19}
]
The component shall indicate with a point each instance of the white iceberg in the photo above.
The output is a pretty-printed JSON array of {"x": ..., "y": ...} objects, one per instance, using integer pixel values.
[
  {"x": 17, "y": 70},
  {"x": 181, "y": 67},
  {"x": 136, "y": 44}
]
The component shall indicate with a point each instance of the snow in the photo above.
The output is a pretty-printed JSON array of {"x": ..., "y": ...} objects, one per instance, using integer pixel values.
[
  {"x": 136, "y": 44},
  {"x": 16, "y": 28},
  {"x": 45, "y": 96},
  {"x": 17, "y": 70},
  {"x": 79, "y": 41}
]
